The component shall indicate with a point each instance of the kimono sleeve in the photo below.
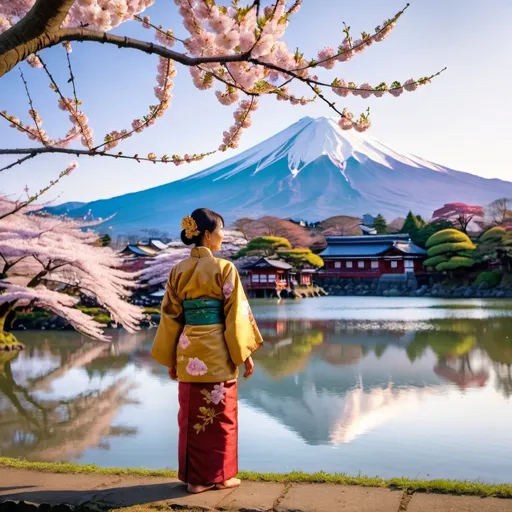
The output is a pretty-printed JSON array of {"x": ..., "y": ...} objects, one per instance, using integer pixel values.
[
  {"x": 169, "y": 329},
  {"x": 241, "y": 333}
]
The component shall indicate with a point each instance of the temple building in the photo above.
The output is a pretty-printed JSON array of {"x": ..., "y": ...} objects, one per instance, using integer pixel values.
[{"x": 371, "y": 256}]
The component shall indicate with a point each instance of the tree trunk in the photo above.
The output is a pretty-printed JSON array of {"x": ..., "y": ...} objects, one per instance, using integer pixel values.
[
  {"x": 37, "y": 30},
  {"x": 5, "y": 309}
]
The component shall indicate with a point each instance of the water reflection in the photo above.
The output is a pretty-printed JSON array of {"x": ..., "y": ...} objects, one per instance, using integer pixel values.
[
  {"x": 36, "y": 425},
  {"x": 348, "y": 384}
]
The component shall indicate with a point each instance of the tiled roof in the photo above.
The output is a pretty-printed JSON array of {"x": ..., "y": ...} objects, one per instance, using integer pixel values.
[
  {"x": 263, "y": 262},
  {"x": 135, "y": 250},
  {"x": 371, "y": 239},
  {"x": 158, "y": 244},
  {"x": 355, "y": 249},
  {"x": 410, "y": 248}
]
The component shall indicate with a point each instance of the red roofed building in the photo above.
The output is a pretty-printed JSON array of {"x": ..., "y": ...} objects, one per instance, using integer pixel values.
[{"x": 371, "y": 256}]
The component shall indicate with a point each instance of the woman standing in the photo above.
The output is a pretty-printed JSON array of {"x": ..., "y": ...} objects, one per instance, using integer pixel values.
[{"x": 206, "y": 332}]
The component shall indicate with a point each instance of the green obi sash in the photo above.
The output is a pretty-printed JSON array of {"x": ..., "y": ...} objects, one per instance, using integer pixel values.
[{"x": 203, "y": 311}]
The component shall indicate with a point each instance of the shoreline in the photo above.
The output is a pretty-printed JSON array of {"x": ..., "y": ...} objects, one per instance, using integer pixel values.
[{"x": 436, "y": 486}]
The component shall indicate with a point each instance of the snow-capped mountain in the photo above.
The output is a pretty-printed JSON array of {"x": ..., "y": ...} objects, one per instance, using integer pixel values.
[{"x": 311, "y": 170}]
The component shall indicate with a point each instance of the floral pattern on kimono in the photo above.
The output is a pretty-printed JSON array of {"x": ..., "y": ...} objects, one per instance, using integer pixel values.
[{"x": 207, "y": 415}]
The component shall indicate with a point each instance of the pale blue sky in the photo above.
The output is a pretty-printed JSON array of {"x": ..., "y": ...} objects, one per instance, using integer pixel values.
[{"x": 462, "y": 120}]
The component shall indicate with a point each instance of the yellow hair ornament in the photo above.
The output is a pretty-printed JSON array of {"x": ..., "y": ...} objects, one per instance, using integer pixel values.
[{"x": 190, "y": 227}]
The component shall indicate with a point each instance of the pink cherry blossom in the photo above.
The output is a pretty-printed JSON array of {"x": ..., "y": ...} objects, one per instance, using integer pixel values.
[
  {"x": 196, "y": 367},
  {"x": 72, "y": 260},
  {"x": 34, "y": 61},
  {"x": 410, "y": 85},
  {"x": 227, "y": 290},
  {"x": 218, "y": 393},
  {"x": 396, "y": 92},
  {"x": 184, "y": 341},
  {"x": 326, "y": 58},
  {"x": 345, "y": 124},
  {"x": 366, "y": 90}
]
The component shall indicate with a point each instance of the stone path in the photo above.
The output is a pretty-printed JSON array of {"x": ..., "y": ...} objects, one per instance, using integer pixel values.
[{"x": 131, "y": 491}]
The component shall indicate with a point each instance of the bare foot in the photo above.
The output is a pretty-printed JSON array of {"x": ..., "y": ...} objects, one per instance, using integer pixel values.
[
  {"x": 197, "y": 489},
  {"x": 229, "y": 484}
]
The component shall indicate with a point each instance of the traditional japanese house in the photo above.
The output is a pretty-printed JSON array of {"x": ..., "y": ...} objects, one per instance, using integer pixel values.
[
  {"x": 267, "y": 276},
  {"x": 371, "y": 256}
]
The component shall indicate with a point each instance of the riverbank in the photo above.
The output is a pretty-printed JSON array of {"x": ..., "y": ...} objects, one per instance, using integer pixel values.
[
  {"x": 439, "y": 486},
  {"x": 90, "y": 487},
  {"x": 337, "y": 287}
]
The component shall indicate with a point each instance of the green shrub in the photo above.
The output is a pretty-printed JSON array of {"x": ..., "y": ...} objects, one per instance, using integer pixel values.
[
  {"x": 455, "y": 263},
  {"x": 301, "y": 257},
  {"x": 268, "y": 242},
  {"x": 493, "y": 235},
  {"x": 91, "y": 311},
  {"x": 492, "y": 278},
  {"x": 103, "y": 319},
  {"x": 446, "y": 235},
  {"x": 450, "y": 247},
  {"x": 435, "y": 260}
]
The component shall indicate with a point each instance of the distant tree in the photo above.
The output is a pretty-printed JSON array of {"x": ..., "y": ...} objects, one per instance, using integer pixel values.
[
  {"x": 243, "y": 226},
  {"x": 449, "y": 249},
  {"x": 380, "y": 224},
  {"x": 411, "y": 225},
  {"x": 298, "y": 235},
  {"x": 495, "y": 245},
  {"x": 105, "y": 241},
  {"x": 461, "y": 214},
  {"x": 340, "y": 225},
  {"x": 264, "y": 246},
  {"x": 500, "y": 211},
  {"x": 301, "y": 258},
  {"x": 396, "y": 225},
  {"x": 422, "y": 235}
]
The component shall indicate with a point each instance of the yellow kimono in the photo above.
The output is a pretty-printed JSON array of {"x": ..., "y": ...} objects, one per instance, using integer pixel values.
[{"x": 205, "y": 353}]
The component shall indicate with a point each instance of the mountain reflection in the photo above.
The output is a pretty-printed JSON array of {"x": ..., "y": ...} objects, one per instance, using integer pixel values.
[{"x": 330, "y": 382}]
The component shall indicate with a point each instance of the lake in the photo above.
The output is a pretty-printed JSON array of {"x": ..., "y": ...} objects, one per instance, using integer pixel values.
[{"x": 412, "y": 387}]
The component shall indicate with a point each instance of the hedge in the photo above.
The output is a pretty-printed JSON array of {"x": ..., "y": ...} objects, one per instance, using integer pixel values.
[
  {"x": 492, "y": 278},
  {"x": 450, "y": 247},
  {"x": 455, "y": 263},
  {"x": 446, "y": 235},
  {"x": 493, "y": 234}
]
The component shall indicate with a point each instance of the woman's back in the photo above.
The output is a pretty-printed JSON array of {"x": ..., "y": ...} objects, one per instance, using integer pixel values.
[{"x": 207, "y": 329}]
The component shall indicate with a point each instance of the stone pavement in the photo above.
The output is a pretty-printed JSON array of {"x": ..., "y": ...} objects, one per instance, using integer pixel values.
[{"x": 110, "y": 491}]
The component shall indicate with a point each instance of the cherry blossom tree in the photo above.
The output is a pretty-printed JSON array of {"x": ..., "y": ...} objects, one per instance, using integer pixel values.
[
  {"x": 48, "y": 262},
  {"x": 157, "y": 269},
  {"x": 239, "y": 48},
  {"x": 459, "y": 213}
]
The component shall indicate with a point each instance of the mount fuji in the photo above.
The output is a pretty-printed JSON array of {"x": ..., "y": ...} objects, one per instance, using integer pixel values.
[{"x": 311, "y": 170}]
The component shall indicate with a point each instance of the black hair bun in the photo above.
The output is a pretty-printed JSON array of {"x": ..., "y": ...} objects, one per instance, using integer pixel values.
[{"x": 185, "y": 240}]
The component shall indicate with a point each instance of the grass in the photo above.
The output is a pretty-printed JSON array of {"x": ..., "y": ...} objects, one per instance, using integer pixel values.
[{"x": 433, "y": 486}]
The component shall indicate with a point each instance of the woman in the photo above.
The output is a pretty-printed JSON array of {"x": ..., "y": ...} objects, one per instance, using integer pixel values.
[{"x": 206, "y": 332}]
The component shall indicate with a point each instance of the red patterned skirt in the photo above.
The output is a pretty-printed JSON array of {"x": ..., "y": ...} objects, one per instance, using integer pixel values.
[{"x": 208, "y": 432}]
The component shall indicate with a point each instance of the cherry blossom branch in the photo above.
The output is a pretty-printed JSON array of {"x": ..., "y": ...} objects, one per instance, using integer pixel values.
[
  {"x": 31, "y": 198},
  {"x": 146, "y": 23},
  {"x": 347, "y": 50},
  {"x": 67, "y": 47},
  {"x": 18, "y": 162},
  {"x": 33, "y": 114},
  {"x": 32, "y": 152},
  {"x": 166, "y": 71},
  {"x": 84, "y": 35},
  {"x": 80, "y": 119}
]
